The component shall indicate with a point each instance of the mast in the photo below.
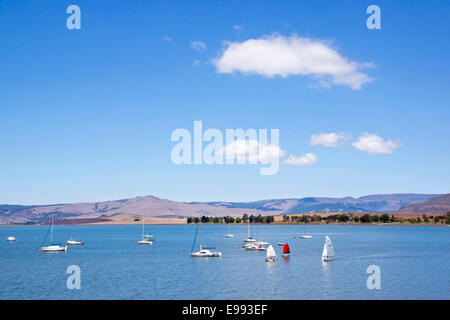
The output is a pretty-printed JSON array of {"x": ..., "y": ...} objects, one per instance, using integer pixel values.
[
  {"x": 51, "y": 234},
  {"x": 200, "y": 238},
  {"x": 142, "y": 227}
]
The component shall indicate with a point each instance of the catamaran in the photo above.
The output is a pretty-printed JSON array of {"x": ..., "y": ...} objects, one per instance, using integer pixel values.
[
  {"x": 286, "y": 251},
  {"x": 271, "y": 256},
  {"x": 53, "y": 247},
  {"x": 145, "y": 239},
  {"x": 328, "y": 250},
  {"x": 203, "y": 252}
]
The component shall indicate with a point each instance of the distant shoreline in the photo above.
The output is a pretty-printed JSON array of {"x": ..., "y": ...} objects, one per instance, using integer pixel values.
[{"x": 235, "y": 224}]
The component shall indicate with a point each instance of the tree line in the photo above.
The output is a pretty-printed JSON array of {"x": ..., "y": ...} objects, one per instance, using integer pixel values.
[
  {"x": 366, "y": 218},
  {"x": 245, "y": 218}
]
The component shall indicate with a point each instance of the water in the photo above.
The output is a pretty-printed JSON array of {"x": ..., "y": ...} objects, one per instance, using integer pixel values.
[{"x": 414, "y": 262}]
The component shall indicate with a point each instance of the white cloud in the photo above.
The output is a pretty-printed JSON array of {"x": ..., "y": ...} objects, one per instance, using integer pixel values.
[
  {"x": 328, "y": 139},
  {"x": 237, "y": 27},
  {"x": 196, "y": 63},
  {"x": 305, "y": 160},
  {"x": 167, "y": 39},
  {"x": 252, "y": 151},
  {"x": 198, "y": 45},
  {"x": 277, "y": 55},
  {"x": 373, "y": 144}
]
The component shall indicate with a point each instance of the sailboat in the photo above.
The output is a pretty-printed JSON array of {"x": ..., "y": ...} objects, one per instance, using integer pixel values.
[
  {"x": 271, "y": 256},
  {"x": 305, "y": 236},
  {"x": 202, "y": 253},
  {"x": 249, "y": 239},
  {"x": 53, "y": 247},
  {"x": 73, "y": 242},
  {"x": 229, "y": 235},
  {"x": 328, "y": 250},
  {"x": 145, "y": 239},
  {"x": 286, "y": 251}
]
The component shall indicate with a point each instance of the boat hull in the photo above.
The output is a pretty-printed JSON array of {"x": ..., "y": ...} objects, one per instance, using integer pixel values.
[
  {"x": 53, "y": 249},
  {"x": 285, "y": 255},
  {"x": 206, "y": 255},
  {"x": 144, "y": 242},
  {"x": 74, "y": 243}
]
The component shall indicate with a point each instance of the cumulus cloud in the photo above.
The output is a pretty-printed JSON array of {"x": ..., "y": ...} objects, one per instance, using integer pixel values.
[
  {"x": 328, "y": 139},
  {"x": 167, "y": 39},
  {"x": 373, "y": 144},
  {"x": 277, "y": 55},
  {"x": 198, "y": 45},
  {"x": 252, "y": 151},
  {"x": 305, "y": 160}
]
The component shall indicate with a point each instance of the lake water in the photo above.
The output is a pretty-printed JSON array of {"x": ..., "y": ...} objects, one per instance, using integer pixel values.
[{"x": 414, "y": 263}]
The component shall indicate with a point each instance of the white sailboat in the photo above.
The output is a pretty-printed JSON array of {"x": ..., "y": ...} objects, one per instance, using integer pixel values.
[
  {"x": 229, "y": 235},
  {"x": 53, "y": 247},
  {"x": 328, "y": 250},
  {"x": 145, "y": 239},
  {"x": 73, "y": 242},
  {"x": 305, "y": 236},
  {"x": 203, "y": 253},
  {"x": 249, "y": 239},
  {"x": 271, "y": 256}
]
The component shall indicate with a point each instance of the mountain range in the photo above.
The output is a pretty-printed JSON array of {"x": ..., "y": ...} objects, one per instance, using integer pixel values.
[{"x": 151, "y": 206}]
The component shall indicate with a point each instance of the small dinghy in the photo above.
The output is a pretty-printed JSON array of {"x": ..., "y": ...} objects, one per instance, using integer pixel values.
[
  {"x": 271, "y": 256},
  {"x": 11, "y": 239},
  {"x": 281, "y": 244},
  {"x": 286, "y": 251},
  {"x": 328, "y": 250}
]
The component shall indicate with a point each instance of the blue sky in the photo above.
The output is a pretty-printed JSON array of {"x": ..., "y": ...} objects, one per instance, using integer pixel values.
[{"x": 87, "y": 115}]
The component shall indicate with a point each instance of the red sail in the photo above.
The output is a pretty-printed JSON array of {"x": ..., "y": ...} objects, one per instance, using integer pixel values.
[{"x": 286, "y": 248}]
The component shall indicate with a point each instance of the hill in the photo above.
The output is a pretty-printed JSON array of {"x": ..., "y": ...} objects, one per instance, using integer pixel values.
[
  {"x": 433, "y": 205},
  {"x": 150, "y": 206}
]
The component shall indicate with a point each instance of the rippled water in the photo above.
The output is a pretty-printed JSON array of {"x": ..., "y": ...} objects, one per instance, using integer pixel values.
[{"x": 414, "y": 262}]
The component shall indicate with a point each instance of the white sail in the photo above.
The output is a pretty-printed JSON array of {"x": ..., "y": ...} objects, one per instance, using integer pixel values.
[
  {"x": 324, "y": 252},
  {"x": 328, "y": 250},
  {"x": 271, "y": 252}
]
